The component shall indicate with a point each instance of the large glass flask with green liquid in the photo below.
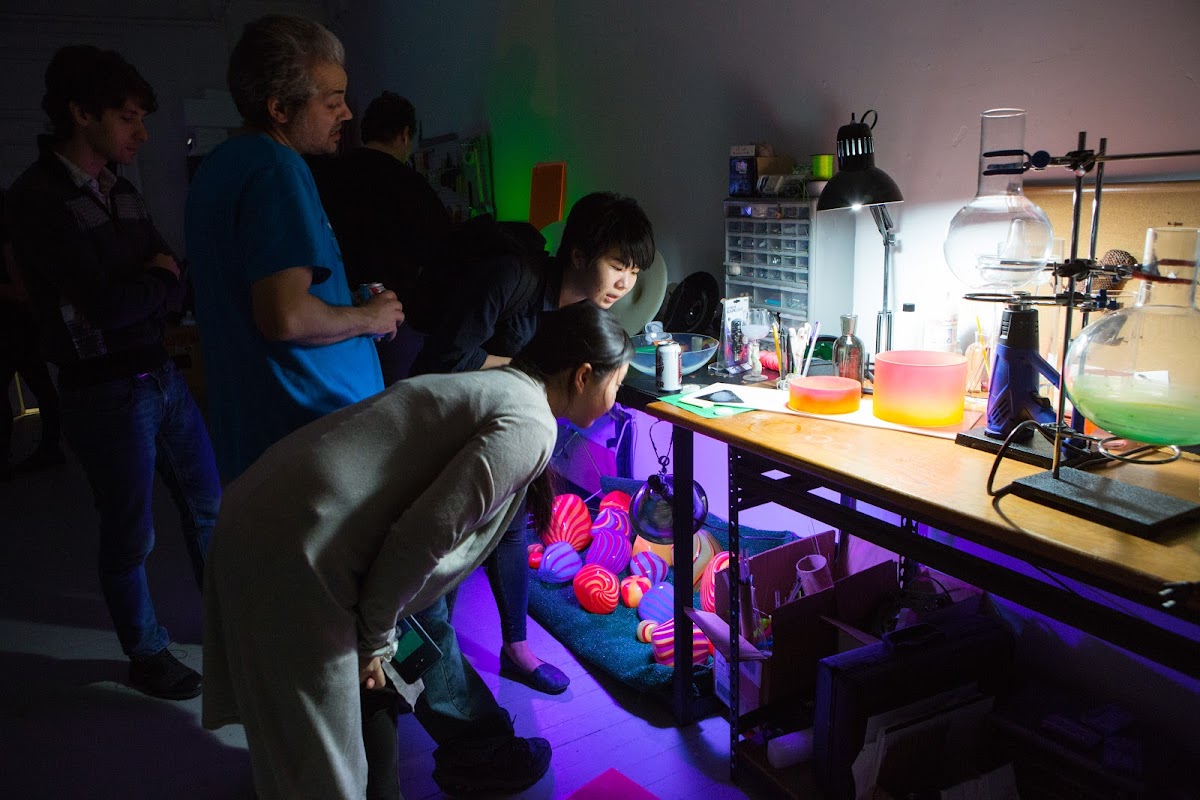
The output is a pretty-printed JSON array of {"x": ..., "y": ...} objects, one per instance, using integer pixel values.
[{"x": 1136, "y": 372}]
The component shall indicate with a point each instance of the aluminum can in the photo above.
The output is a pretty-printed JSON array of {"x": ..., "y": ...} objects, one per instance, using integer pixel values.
[
  {"x": 366, "y": 290},
  {"x": 668, "y": 366}
]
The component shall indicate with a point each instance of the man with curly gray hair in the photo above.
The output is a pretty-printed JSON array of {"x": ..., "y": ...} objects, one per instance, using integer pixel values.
[{"x": 284, "y": 345}]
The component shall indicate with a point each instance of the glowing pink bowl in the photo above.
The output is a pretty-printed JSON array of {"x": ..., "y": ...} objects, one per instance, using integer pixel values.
[{"x": 922, "y": 388}]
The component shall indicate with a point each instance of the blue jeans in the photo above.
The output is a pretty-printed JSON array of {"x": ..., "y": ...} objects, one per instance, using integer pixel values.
[
  {"x": 122, "y": 431},
  {"x": 456, "y": 704}
]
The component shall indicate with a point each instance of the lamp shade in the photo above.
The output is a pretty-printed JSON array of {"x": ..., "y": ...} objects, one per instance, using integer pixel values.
[{"x": 858, "y": 181}]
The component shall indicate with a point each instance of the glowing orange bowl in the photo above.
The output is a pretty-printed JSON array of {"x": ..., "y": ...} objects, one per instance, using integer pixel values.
[{"x": 824, "y": 394}]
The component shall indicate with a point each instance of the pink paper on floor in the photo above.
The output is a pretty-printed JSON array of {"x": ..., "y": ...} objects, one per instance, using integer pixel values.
[{"x": 610, "y": 784}]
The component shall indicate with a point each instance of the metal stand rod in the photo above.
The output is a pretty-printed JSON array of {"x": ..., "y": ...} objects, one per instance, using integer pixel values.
[
  {"x": 883, "y": 321},
  {"x": 1060, "y": 411}
]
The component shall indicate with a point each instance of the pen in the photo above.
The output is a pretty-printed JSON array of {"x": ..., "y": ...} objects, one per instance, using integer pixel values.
[
  {"x": 815, "y": 333},
  {"x": 778, "y": 352},
  {"x": 795, "y": 336}
]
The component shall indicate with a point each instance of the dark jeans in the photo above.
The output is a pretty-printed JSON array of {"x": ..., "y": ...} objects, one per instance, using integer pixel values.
[
  {"x": 380, "y": 711},
  {"x": 123, "y": 431},
  {"x": 508, "y": 573}
]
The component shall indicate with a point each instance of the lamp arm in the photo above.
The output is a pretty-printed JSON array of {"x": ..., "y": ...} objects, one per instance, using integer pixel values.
[{"x": 883, "y": 320}]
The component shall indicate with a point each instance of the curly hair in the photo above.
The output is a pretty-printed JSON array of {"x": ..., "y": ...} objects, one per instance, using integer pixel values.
[{"x": 274, "y": 58}]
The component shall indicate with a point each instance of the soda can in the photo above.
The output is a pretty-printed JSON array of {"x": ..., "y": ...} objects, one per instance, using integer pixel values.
[
  {"x": 366, "y": 290},
  {"x": 668, "y": 366}
]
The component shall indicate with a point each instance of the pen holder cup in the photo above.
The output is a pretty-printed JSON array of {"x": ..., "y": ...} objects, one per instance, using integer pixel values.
[{"x": 922, "y": 388}]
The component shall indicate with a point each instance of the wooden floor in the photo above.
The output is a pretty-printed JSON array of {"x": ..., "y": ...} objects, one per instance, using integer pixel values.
[{"x": 70, "y": 727}]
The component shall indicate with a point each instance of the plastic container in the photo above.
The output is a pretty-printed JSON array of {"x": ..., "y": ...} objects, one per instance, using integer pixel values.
[
  {"x": 697, "y": 350},
  {"x": 824, "y": 394},
  {"x": 921, "y": 388}
]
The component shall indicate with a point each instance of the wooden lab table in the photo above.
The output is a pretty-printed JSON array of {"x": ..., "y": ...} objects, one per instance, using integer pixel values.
[{"x": 934, "y": 481}]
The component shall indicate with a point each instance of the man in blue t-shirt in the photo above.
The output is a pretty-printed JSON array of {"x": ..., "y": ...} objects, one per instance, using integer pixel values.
[
  {"x": 283, "y": 342},
  {"x": 283, "y": 346}
]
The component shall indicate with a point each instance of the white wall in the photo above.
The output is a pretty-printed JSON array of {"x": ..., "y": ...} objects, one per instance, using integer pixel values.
[{"x": 645, "y": 98}]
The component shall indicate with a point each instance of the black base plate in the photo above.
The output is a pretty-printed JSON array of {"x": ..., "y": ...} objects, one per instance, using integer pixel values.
[
  {"x": 1141, "y": 512},
  {"x": 1037, "y": 451}
]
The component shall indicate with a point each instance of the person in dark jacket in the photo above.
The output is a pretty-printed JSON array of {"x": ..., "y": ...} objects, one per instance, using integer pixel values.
[
  {"x": 387, "y": 218},
  {"x": 101, "y": 280}
]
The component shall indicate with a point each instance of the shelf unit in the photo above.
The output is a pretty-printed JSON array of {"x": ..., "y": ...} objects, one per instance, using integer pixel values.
[{"x": 784, "y": 259}]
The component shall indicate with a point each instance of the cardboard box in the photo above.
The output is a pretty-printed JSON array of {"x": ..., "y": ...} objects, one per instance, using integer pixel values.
[
  {"x": 752, "y": 150},
  {"x": 805, "y": 630}
]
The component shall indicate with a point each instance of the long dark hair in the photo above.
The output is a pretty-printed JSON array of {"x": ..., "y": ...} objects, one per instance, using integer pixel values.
[{"x": 566, "y": 339}]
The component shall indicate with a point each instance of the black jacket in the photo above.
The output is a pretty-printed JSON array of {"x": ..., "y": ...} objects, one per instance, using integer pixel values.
[
  {"x": 85, "y": 264},
  {"x": 387, "y": 218}
]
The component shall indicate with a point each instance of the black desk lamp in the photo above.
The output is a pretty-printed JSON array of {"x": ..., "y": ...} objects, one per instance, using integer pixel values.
[{"x": 857, "y": 183}]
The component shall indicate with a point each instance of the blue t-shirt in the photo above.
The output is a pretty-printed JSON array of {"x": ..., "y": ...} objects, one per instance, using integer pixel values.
[{"x": 252, "y": 211}]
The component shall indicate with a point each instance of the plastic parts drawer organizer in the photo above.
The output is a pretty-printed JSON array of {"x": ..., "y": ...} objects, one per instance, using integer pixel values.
[{"x": 770, "y": 246}]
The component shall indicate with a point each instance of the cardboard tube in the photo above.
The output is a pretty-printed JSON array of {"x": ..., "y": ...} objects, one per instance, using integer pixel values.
[{"x": 813, "y": 573}]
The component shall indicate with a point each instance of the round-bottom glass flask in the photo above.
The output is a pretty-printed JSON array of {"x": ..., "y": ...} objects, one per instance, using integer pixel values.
[{"x": 1135, "y": 372}]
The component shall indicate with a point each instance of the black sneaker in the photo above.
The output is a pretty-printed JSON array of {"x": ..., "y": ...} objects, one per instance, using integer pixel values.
[
  {"x": 161, "y": 675},
  {"x": 508, "y": 764}
]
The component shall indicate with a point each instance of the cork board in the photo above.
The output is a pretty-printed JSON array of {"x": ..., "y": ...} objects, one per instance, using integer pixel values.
[{"x": 1126, "y": 211}]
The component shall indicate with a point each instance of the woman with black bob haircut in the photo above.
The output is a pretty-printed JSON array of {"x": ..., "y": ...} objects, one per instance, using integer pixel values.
[{"x": 369, "y": 514}]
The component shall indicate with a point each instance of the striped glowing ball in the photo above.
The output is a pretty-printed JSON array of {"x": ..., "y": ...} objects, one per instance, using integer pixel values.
[
  {"x": 560, "y": 562},
  {"x": 658, "y": 604},
  {"x": 663, "y": 551},
  {"x": 615, "y": 499},
  {"x": 704, "y": 547},
  {"x": 645, "y": 630},
  {"x": 662, "y": 644},
  {"x": 708, "y": 592},
  {"x": 633, "y": 589},
  {"x": 569, "y": 522},
  {"x": 650, "y": 565},
  {"x": 615, "y": 520},
  {"x": 595, "y": 589},
  {"x": 535, "y": 551},
  {"x": 609, "y": 549}
]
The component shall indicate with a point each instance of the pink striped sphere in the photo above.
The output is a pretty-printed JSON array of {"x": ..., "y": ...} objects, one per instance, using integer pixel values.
[
  {"x": 569, "y": 522},
  {"x": 535, "y": 552},
  {"x": 595, "y": 589},
  {"x": 645, "y": 630},
  {"x": 560, "y": 562},
  {"x": 658, "y": 604},
  {"x": 662, "y": 644},
  {"x": 633, "y": 589},
  {"x": 609, "y": 549},
  {"x": 649, "y": 564},
  {"x": 615, "y": 520},
  {"x": 708, "y": 592},
  {"x": 615, "y": 499}
]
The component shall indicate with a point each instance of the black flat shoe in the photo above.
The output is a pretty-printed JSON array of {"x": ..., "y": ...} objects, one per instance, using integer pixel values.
[
  {"x": 162, "y": 675},
  {"x": 547, "y": 678}
]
